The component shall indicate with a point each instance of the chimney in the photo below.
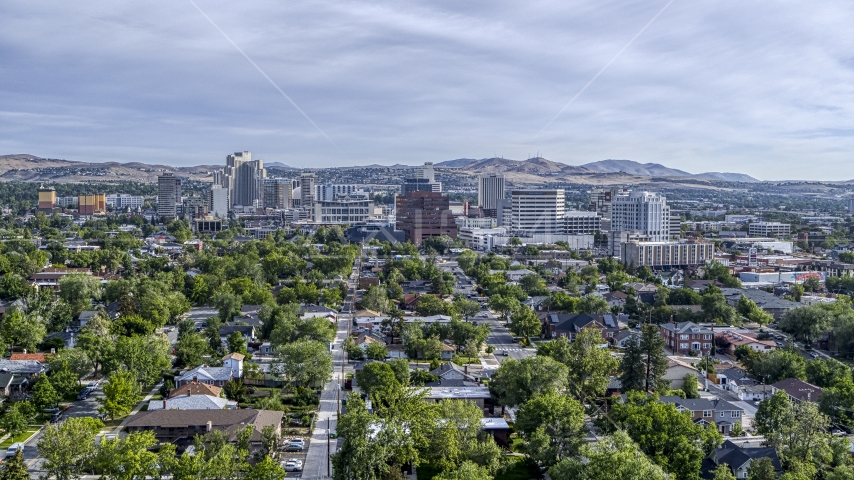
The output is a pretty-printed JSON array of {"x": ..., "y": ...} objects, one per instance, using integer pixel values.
[{"x": 196, "y": 378}]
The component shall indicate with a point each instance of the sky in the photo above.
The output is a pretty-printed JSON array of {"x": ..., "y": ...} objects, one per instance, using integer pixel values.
[{"x": 757, "y": 87}]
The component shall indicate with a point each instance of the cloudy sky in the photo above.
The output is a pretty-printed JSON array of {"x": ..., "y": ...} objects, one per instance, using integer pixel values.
[{"x": 759, "y": 87}]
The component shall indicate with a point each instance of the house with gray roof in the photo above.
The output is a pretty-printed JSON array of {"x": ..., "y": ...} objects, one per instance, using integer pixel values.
[
  {"x": 776, "y": 306},
  {"x": 704, "y": 411},
  {"x": 798, "y": 390},
  {"x": 192, "y": 402},
  {"x": 738, "y": 459},
  {"x": 21, "y": 367},
  {"x": 452, "y": 375},
  {"x": 218, "y": 376}
]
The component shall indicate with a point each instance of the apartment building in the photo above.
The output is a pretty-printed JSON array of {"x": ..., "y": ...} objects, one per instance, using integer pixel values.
[
  {"x": 344, "y": 210},
  {"x": 687, "y": 337},
  {"x": 423, "y": 214},
  {"x": 642, "y": 213},
  {"x": 666, "y": 254},
  {"x": 124, "y": 200},
  {"x": 490, "y": 189}
]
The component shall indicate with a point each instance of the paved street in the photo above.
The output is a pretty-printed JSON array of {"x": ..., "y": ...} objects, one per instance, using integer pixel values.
[
  {"x": 501, "y": 338},
  {"x": 320, "y": 447}
]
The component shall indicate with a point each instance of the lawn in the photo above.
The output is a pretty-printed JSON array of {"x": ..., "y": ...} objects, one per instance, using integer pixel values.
[{"x": 20, "y": 438}]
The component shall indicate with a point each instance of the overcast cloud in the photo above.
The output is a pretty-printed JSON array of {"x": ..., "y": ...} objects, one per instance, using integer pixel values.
[{"x": 759, "y": 87}]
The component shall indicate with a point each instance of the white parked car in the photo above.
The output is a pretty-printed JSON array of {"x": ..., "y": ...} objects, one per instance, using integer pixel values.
[{"x": 293, "y": 465}]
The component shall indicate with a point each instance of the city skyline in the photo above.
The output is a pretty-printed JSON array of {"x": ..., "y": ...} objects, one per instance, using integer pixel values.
[{"x": 702, "y": 87}]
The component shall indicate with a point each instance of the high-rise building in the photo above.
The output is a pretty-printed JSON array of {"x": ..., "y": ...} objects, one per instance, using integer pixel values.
[
  {"x": 424, "y": 181},
  {"x": 243, "y": 178},
  {"x": 537, "y": 211},
  {"x": 218, "y": 201},
  {"x": 601, "y": 200},
  {"x": 329, "y": 192},
  {"x": 423, "y": 215},
  {"x": 92, "y": 204},
  {"x": 277, "y": 193},
  {"x": 666, "y": 254},
  {"x": 47, "y": 199},
  {"x": 168, "y": 195},
  {"x": 851, "y": 204},
  {"x": 121, "y": 201},
  {"x": 343, "y": 210},
  {"x": 490, "y": 189},
  {"x": 640, "y": 214},
  {"x": 504, "y": 212},
  {"x": 582, "y": 223},
  {"x": 307, "y": 182}
]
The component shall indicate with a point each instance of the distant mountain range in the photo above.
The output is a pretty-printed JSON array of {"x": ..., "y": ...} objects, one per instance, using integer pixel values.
[
  {"x": 541, "y": 166},
  {"x": 533, "y": 171}
]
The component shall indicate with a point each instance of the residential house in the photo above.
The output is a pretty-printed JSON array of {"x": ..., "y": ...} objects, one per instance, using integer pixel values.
[
  {"x": 11, "y": 384},
  {"x": 25, "y": 368},
  {"x": 479, "y": 395},
  {"x": 85, "y": 316},
  {"x": 232, "y": 368},
  {"x": 513, "y": 275},
  {"x": 677, "y": 370},
  {"x": 39, "y": 357},
  {"x": 314, "y": 311},
  {"x": 621, "y": 338},
  {"x": 733, "y": 379},
  {"x": 195, "y": 388},
  {"x": 616, "y": 299},
  {"x": 752, "y": 393},
  {"x": 798, "y": 390},
  {"x": 498, "y": 428},
  {"x": 706, "y": 411},
  {"x": 738, "y": 458},
  {"x": 172, "y": 425},
  {"x": 452, "y": 375},
  {"x": 246, "y": 331},
  {"x": 736, "y": 340},
  {"x": 701, "y": 285},
  {"x": 687, "y": 337},
  {"x": 192, "y": 402},
  {"x": 570, "y": 324},
  {"x": 767, "y": 301},
  {"x": 366, "y": 338},
  {"x": 67, "y": 338}
]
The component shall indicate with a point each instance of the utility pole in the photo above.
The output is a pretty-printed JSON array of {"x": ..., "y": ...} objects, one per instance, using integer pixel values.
[{"x": 328, "y": 452}]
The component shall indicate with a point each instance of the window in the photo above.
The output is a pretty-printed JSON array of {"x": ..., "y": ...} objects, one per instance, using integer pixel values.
[
  {"x": 736, "y": 414},
  {"x": 707, "y": 413},
  {"x": 683, "y": 337},
  {"x": 707, "y": 337},
  {"x": 683, "y": 346},
  {"x": 722, "y": 414}
]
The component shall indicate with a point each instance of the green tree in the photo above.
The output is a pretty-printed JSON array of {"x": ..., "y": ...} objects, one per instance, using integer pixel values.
[
  {"x": 428, "y": 305},
  {"x": 23, "y": 330},
  {"x": 236, "y": 343},
  {"x": 122, "y": 393},
  {"x": 644, "y": 363},
  {"x": 723, "y": 472},
  {"x": 228, "y": 305},
  {"x": 516, "y": 381},
  {"x": 147, "y": 357},
  {"x": 532, "y": 283},
  {"x": 191, "y": 349},
  {"x": 589, "y": 366},
  {"x": 304, "y": 362},
  {"x": 67, "y": 447},
  {"x": 752, "y": 312},
  {"x": 670, "y": 438},
  {"x": 689, "y": 386},
  {"x": 129, "y": 457},
  {"x": 778, "y": 365},
  {"x": 505, "y": 305},
  {"x": 593, "y": 304},
  {"x": 615, "y": 457},
  {"x": 80, "y": 290},
  {"x": 14, "y": 421},
  {"x": 761, "y": 469},
  {"x": 235, "y": 390},
  {"x": 266, "y": 469},
  {"x": 65, "y": 382},
  {"x": 806, "y": 323},
  {"x": 467, "y": 308},
  {"x": 525, "y": 323},
  {"x": 44, "y": 395},
  {"x": 376, "y": 351},
  {"x": 553, "y": 426},
  {"x": 376, "y": 299},
  {"x": 269, "y": 440},
  {"x": 468, "y": 470},
  {"x": 15, "y": 468},
  {"x": 377, "y": 378}
]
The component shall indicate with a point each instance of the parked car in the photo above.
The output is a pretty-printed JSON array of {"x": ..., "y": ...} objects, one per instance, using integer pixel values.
[
  {"x": 813, "y": 355},
  {"x": 13, "y": 449},
  {"x": 504, "y": 353},
  {"x": 295, "y": 447},
  {"x": 55, "y": 417},
  {"x": 293, "y": 465}
]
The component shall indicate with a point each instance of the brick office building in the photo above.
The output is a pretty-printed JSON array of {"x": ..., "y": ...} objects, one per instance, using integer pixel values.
[{"x": 423, "y": 215}]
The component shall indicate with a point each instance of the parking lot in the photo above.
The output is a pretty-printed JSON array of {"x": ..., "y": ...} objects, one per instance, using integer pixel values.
[{"x": 285, "y": 456}]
